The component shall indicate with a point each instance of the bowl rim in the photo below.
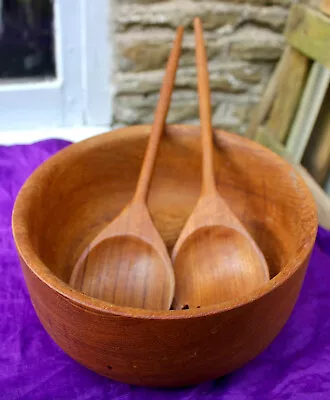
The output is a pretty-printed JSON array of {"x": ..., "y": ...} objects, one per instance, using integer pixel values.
[{"x": 31, "y": 259}]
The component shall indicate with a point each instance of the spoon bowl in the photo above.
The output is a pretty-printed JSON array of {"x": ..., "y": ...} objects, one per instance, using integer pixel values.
[
  {"x": 225, "y": 247},
  {"x": 102, "y": 278},
  {"x": 129, "y": 268},
  {"x": 215, "y": 258}
]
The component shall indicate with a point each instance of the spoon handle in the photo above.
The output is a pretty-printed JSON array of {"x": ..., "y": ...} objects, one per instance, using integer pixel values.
[
  {"x": 159, "y": 119},
  {"x": 208, "y": 183}
]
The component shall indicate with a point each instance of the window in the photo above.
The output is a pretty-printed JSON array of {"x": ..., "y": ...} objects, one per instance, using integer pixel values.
[{"x": 55, "y": 69}]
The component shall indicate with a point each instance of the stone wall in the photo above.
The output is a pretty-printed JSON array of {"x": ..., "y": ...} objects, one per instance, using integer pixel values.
[{"x": 244, "y": 42}]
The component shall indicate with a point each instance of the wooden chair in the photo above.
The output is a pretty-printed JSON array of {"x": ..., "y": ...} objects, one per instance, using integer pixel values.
[{"x": 295, "y": 104}]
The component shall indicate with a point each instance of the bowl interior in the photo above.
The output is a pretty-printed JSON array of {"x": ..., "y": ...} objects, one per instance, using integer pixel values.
[{"x": 75, "y": 193}]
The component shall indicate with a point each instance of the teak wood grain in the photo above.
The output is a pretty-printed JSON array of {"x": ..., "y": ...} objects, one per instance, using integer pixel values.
[
  {"x": 215, "y": 258},
  {"x": 75, "y": 193},
  {"x": 127, "y": 263}
]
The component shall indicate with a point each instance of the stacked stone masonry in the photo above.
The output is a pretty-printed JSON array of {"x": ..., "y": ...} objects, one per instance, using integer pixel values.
[{"x": 244, "y": 40}]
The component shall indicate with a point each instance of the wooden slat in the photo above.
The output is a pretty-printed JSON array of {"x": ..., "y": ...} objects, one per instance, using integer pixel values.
[
  {"x": 262, "y": 109},
  {"x": 289, "y": 89},
  {"x": 317, "y": 155},
  {"x": 272, "y": 143},
  {"x": 309, "y": 107},
  {"x": 321, "y": 199},
  {"x": 281, "y": 97},
  {"x": 327, "y": 185},
  {"x": 308, "y": 30}
]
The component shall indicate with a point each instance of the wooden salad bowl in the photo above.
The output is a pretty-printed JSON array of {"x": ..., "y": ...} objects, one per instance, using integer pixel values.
[{"x": 70, "y": 197}]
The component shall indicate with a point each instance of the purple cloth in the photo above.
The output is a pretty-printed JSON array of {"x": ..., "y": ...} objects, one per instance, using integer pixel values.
[{"x": 295, "y": 366}]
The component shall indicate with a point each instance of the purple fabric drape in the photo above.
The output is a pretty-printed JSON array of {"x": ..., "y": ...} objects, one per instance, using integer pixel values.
[{"x": 295, "y": 366}]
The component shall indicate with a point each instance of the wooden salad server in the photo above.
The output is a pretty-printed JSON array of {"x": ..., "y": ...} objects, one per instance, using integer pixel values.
[
  {"x": 215, "y": 258},
  {"x": 127, "y": 263}
]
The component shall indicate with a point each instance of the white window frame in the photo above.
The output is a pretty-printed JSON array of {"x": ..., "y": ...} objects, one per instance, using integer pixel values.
[{"x": 78, "y": 102}]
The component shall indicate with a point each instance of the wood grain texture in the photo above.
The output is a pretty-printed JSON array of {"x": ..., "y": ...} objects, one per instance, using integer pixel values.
[
  {"x": 308, "y": 30},
  {"x": 127, "y": 262},
  {"x": 78, "y": 191},
  {"x": 215, "y": 259}
]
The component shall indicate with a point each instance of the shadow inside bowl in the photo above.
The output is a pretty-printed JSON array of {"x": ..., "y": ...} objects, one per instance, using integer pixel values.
[{"x": 84, "y": 192}]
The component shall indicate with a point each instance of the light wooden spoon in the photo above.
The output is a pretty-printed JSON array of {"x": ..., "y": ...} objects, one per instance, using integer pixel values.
[
  {"x": 215, "y": 259},
  {"x": 127, "y": 263}
]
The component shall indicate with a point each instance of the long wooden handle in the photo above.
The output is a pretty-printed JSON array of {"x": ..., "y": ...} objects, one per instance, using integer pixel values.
[
  {"x": 208, "y": 184},
  {"x": 159, "y": 120}
]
